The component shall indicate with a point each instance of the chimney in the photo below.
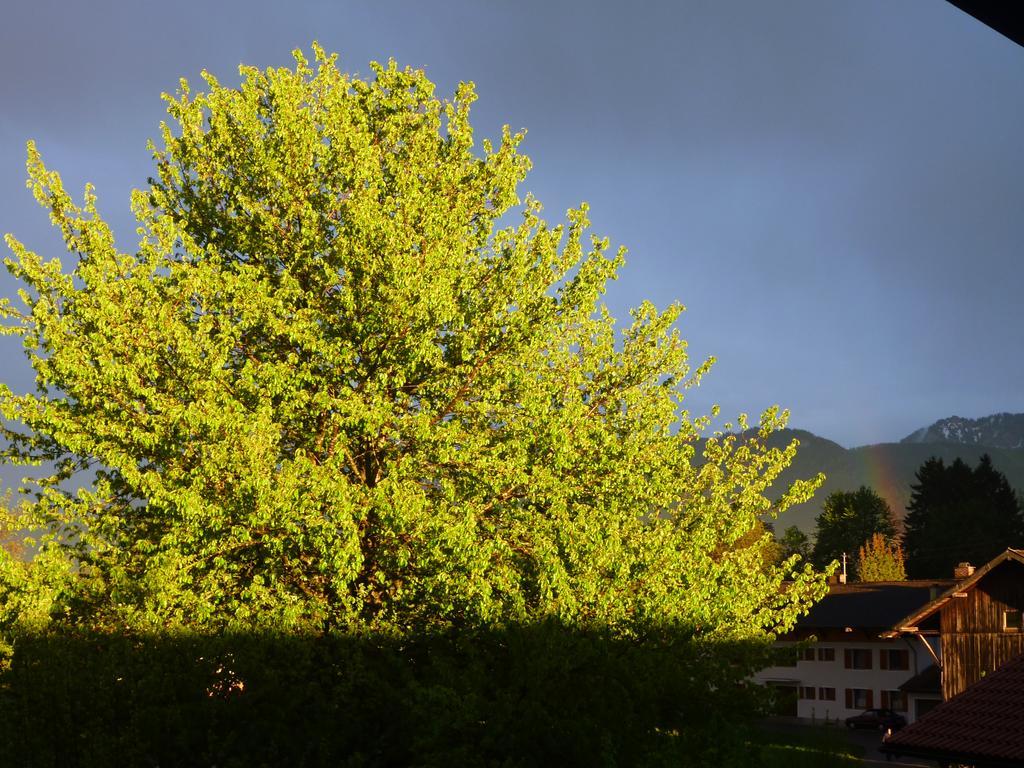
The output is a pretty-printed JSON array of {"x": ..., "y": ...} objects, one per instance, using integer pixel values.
[{"x": 963, "y": 570}]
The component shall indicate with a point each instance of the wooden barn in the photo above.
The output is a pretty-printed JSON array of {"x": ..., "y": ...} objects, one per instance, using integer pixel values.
[{"x": 978, "y": 622}]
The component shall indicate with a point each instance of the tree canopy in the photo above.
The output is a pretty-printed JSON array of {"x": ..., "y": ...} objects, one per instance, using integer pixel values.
[
  {"x": 329, "y": 390},
  {"x": 794, "y": 542},
  {"x": 879, "y": 559},
  {"x": 847, "y": 520},
  {"x": 959, "y": 514},
  {"x": 349, "y": 382}
]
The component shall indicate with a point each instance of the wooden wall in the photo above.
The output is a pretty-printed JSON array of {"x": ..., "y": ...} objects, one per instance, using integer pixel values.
[{"x": 973, "y": 640}]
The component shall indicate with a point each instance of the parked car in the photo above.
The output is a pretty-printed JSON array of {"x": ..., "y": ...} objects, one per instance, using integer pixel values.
[{"x": 879, "y": 719}]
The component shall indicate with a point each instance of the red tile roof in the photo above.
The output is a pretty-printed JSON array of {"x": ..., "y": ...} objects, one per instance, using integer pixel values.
[{"x": 983, "y": 726}]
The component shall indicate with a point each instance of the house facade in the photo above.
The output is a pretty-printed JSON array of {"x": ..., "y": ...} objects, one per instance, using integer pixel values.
[
  {"x": 923, "y": 692},
  {"x": 838, "y": 660}
]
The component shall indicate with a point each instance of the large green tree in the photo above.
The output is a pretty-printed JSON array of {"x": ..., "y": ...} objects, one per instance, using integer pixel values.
[
  {"x": 847, "y": 520},
  {"x": 351, "y": 428},
  {"x": 959, "y": 514},
  {"x": 349, "y": 380}
]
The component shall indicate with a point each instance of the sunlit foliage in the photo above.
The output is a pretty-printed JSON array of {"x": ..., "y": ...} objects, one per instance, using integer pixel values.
[{"x": 350, "y": 381}]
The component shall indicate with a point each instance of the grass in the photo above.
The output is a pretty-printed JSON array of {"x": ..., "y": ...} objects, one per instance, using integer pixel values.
[{"x": 805, "y": 747}]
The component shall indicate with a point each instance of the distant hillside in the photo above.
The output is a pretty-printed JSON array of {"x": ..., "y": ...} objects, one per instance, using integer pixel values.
[
  {"x": 1001, "y": 430},
  {"x": 888, "y": 468}
]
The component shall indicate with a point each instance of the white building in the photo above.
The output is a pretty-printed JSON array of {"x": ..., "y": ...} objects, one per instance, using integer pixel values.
[{"x": 839, "y": 663}]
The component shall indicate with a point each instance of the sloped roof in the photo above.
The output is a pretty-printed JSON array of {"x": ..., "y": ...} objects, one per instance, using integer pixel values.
[
  {"x": 983, "y": 726},
  {"x": 910, "y": 621},
  {"x": 871, "y": 605},
  {"x": 927, "y": 681}
]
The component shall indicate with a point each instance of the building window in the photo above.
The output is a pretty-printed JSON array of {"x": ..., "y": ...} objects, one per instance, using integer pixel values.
[
  {"x": 857, "y": 658},
  {"x": 894, "y": 658},
  {"x": 826, "y": 654},
  {"x": 894, "y": 700},
  {"x": 859, "y": 698},
  {"x": 827, "y": 694},
  {"x": 807, "y": 692},
  {"x": 807, "y": 654},
  {"x": 1011, "y": 621}
]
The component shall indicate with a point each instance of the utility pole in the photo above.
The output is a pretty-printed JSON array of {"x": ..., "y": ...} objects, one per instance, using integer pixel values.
[{"x": 842, "y": 577}]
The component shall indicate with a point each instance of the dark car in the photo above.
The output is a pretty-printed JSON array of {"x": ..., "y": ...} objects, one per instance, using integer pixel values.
[{"x": 879, "y": 719}]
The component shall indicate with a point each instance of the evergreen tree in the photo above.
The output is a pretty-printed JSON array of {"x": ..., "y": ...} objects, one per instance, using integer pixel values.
[
  {"x": 959, "y": 514},
  {"x": 879, "y": 559},
  {"x": 847, "y": 520}
]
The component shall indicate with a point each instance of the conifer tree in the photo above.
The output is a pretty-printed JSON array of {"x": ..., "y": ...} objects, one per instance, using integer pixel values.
[
  {"x": 880, "y": 560},
  {"x": 959, "y": 514}
]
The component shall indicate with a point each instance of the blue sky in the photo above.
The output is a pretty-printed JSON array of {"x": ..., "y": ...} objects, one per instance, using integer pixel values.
[{"x": 833, "y": 189}]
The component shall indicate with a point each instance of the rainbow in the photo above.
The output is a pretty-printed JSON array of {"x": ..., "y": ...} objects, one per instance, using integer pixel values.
[{"x": 884, "y": 478}]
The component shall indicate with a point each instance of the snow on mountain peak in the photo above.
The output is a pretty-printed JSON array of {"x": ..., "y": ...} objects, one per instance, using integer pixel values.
[{"x": 1000, "y": 430}]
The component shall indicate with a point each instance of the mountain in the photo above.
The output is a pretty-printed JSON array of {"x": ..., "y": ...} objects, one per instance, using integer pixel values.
[
  {"x": 1001, "y": 430},
  {"x": 889, "y": 468}
]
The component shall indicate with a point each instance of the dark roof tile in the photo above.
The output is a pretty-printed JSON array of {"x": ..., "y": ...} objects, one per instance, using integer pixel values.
[
  {"x": 928, "y": 681},
  {"x": 876, "y": 605}
]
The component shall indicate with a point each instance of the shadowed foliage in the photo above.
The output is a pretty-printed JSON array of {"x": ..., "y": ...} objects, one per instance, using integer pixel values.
[
  {"x": 847, "y": 520},
  {"x": 959, "y": 514},
  {"x": 522, "y": 696}
]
